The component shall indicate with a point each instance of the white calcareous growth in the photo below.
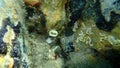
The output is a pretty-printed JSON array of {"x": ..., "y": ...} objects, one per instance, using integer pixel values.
[{"x": 53, "y": 33}]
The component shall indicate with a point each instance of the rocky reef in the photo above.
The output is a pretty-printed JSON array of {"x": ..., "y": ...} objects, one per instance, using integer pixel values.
[
  {"x": 11, "y": 42},
  {"x": 59, "y": 33}
]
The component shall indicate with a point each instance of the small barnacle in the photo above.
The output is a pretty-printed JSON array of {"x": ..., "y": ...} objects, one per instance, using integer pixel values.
[{"x": 53, "y": 33}]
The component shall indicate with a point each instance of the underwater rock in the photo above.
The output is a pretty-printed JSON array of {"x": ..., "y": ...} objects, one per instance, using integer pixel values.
[
  {"x": 68, "y": 32},
  {"x": 39, "y": 19},
  {"x": 102, "y": 24},
  {"x": 3, "y": 30},
  {"x": 3, "y": 48},
  {"x": 2, "y": 3},
  {"x": 32, "y": 2},
  {"x": 25, "y": 64},
  {"x": 76, "y": 5},
  {"x": 86, "y": 60},
  {"x": 54, "y": 12},
  {"x": 69, "y": 47},
  {"x": 91, "y": 10},
  {"x": 49, "y": 17},
  {"x": 107, "y": 6},
  {"x": 112, "y": 56},
  {"x": 17, "y": 28},
  {"x": 16, "y": 63},
  {"x": 75, "y": 8},
  {"x": 11, "y": 13},
  {"x": 16, "y": 51},
  {"x": 30, "y": 11}
]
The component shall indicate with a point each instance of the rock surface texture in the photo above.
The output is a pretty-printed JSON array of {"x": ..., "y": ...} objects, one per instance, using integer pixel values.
[
  {"x": 59, "y": 33},
  {"x": 11, "y": 27}
]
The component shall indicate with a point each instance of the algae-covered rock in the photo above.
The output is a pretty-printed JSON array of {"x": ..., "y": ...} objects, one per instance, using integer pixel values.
[
  {"x": 54, "y": 11},
  {"x": 87, "y": 59},
  {"x": 75, "y": 8},
  {"x": 89, "y": 29},
  {"x": 11, "y": 20}
]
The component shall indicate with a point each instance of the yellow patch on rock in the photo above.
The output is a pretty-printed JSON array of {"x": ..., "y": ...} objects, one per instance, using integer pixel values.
[
  {"x": 11, "y": 63},
  {"x": 54, "y": 11},
  {"x": 2, "y": 62},
  {"x": 1, "y": 59},
  {"x": 9, "y": 35}
]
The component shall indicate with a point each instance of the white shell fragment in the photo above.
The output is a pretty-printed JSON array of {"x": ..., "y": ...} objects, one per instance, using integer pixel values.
[
  {"x": 49, "y": 40},
  {"x": 53, "y": 33}
]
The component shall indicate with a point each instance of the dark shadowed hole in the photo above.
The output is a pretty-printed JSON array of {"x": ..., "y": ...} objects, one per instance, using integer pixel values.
[{"x": 102, "y": 24}]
